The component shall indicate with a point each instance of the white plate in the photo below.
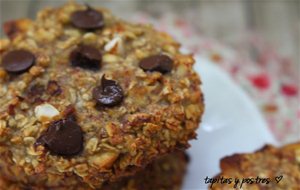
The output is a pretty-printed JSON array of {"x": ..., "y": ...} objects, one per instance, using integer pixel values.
[{"x": 231, "y": 124}]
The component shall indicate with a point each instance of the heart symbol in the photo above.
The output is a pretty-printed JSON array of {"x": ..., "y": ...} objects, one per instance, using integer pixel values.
[{"x": 278, "y": 178}]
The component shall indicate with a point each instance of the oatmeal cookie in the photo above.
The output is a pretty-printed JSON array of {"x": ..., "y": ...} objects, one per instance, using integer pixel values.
[
  {"x": 166, "y": 173},
  {"x": 85, "y": 95},
  {"x": 268, "y": 168}
]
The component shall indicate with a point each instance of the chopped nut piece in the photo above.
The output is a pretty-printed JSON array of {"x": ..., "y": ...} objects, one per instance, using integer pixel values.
[
  {"x": 110, "y": 58},
  {"x": 116, "y": 44},
  {"x": 103, "y": 160},
  {"x": 45, "y": 112},
  {"x": 36, "y": 70},
  {"x": 91, "y": 145},
  {"x": 2, "y": 73}
]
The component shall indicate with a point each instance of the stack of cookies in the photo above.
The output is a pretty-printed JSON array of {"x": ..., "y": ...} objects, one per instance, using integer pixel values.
[{"x": 89, "y": 101}]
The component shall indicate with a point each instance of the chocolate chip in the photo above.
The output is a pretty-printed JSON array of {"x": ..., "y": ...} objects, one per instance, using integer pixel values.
[
  {"x": 88, "y": 19},
  {"x": 86, "y": 57},
  {"x": 160, "y": 63},
  {"x": 109, "y": 93},
  {"x": 18, "y": 61},
  {"x": 63, "y": 137},
  {"x": 53, "y": 88}
]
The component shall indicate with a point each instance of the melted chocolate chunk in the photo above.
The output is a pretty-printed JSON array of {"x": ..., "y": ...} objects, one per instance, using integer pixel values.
[
  {"x": 63, "y": 137},
  {"x": 18, "y": 61},
  {"x": 160, "y": 63},
  {"x": 88, "y": 19},
  {"x": 86, "y": 57},
  {"x": 109, "y": 93}
]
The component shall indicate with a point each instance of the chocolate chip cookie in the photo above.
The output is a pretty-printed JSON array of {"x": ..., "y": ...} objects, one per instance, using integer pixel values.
[
  {"x": 269, "y": 168},
  {"x": 166, "y": 173},
  {"x": 85, "y": 95}
]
